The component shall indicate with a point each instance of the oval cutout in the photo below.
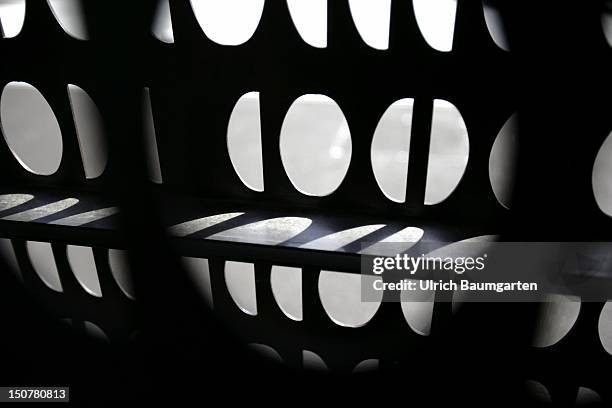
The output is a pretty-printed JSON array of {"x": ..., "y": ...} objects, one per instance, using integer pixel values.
[
  {"x": 43, "y": 262},
  {"x": 244, "y": 141},
  {"x": 286, "y": 285},
  {"x": 495, "y": 25},
  {"x": 240, "y": 281},
  {"x": 341, "y": 296},
  {"x": 556, "y": 317},
  {"x": 604, "y": 326},
  {"x": 436, "y": 21},
  {"x": 30, "y": 128},
  {"x": 90, "y": 132},
  {"x": 120, "y": 269},
  {"x": 310, "y": 20},
  {"x": 502, "y": 161},
  {"x": 391, "y": 149},
  {"x": 198, "y": 270},
  {"x": 602, "y": 173},
  {"x": 372, "y": 19},
  {"x": 228, "y": 22},
  {"x": 12, "y": 16},
  {"x": 162, "y": 23},
  {"x": 315, "y": 145},
  {"x": 83, "y": 265},
  {"x": 449, "y": 150},
  {"x": 69, "y": 14}
]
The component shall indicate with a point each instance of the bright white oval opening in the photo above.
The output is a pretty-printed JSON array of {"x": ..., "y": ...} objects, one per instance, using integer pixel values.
[
  {"x": 502, "y": 161},
  {"x": 228, "y": 22},
  {"x": 43, "y": 262},
  {"x": 310, "y": 20},
  {"x": 90, "y": 132},
  {"x": 30, "y": 128},
  {"x": 391, "y": 149},
  {"x": 286, "y": 285},
  {"x": 436, "y": 20},
  {"x": 240, "y": 281},
  {"x": 162, "y": 23},
  {"x": 69, "y": 14},
  {"x": 12, "y": 16},
  {"x": 602, "y": 177},
  {"x": 315, "y": 145},
  {"x": 556, "y": 318},
  {"x": 341, "y": 298},
  {"x": 244, "y": 141},
  {"x": 83, "y": 266},
  {"x": 449, "y": 150},
  {"x": 372, "y": 19}
]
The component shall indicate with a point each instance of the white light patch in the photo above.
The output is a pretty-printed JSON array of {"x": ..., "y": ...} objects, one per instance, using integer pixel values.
[
  {"x": 43, "y": 211},
  {"x": 267, "y": 232},
  {"x": 193, "y": 226}
]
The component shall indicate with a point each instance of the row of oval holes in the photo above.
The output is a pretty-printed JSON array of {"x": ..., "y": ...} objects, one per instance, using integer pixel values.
[
  {"x": 340, "y": 293},
  {"x": 315, "y": 143},
  {"x": 233, "y": 22}
]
